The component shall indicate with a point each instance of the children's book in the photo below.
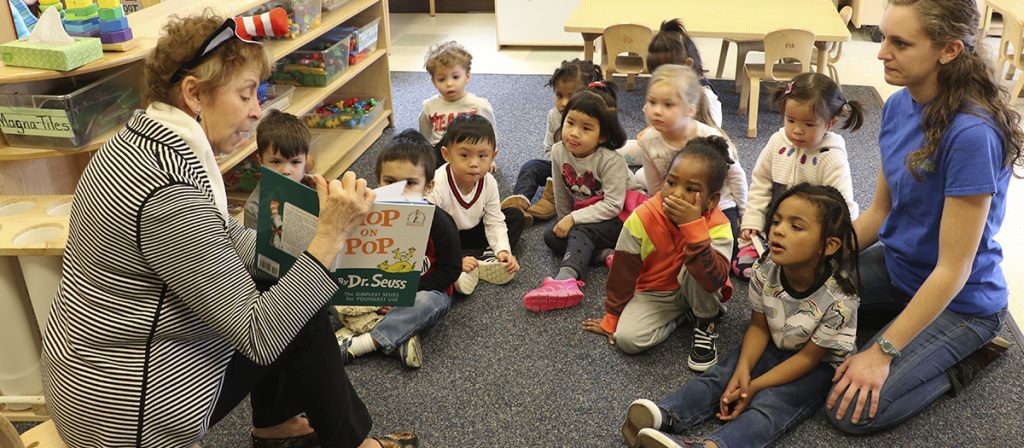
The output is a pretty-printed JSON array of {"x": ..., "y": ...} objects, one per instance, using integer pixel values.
[{"x": 381, "y": 261}]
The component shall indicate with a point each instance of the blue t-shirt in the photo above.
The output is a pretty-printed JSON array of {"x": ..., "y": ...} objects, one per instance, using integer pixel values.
[{"x": 969, "y": 162}]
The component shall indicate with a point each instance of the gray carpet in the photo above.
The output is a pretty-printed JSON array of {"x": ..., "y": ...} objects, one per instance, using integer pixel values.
[{"x": 497, "y": 375}]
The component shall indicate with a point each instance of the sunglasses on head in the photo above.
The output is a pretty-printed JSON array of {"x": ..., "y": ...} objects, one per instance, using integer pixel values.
[{"x": 220, "y": 36}]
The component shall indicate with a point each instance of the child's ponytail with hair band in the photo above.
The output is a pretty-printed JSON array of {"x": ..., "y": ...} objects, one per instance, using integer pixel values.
[
  {"x": 714, "y": 150},
  {"x": 827, "y": 100}
]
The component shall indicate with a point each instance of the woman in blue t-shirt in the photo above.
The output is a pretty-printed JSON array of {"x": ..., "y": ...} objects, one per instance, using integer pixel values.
[{"x": 949, "y": 144}]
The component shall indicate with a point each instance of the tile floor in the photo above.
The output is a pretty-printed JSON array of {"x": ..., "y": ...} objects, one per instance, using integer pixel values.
[{"x": 412, "y": 34}]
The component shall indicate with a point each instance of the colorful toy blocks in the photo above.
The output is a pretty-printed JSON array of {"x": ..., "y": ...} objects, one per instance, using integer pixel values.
[{"x": 114, "y": 27}]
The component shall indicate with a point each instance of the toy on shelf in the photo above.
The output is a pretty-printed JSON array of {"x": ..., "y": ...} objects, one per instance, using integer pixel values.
[
  {"x": 81, "y": 18},
  {"x": 348, "y": 113},
  {"x": 55, "y": 4},
  {"x": 115, "y": 33},
  {"x": 316, "y": 64},
  {"x": 300, "y": 16},
  {"x": 273, "y": 23}
]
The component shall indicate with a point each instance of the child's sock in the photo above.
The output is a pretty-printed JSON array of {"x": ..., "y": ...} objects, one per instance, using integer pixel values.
[
  {"x": 565, "y": 273},
  {"x": 362, "y": 345}
]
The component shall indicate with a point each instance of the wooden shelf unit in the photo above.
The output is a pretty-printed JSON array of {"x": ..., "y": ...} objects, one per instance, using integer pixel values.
[{"x": 48, "y": 175}]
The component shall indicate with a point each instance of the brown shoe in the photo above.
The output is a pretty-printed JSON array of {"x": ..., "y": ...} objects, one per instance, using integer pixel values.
[
  {"x": 522, "y": 203},
  {"x": 398, "y": 440},
  {"x": 307, "y": 441},
  {"x": 965, "y": 371},
  {"x": 544, "y": 209}
]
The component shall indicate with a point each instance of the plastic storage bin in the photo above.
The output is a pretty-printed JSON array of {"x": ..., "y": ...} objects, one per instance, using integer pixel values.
[
  {"x": 345, "y": 111},
  {"x": 331, "y": 5},
  {"x": 68, "y": 113},
  {"x": 364, "y": 40},
  {"x": 317, "y": 63},
  {"x": 302, "y": 14}
]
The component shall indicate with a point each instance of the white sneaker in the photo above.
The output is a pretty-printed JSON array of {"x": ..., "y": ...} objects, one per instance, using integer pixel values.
[
  {"x": 493, "y": 271},
  {"x": 641, "y": 414},
  {"x": 467, "y": 281}
]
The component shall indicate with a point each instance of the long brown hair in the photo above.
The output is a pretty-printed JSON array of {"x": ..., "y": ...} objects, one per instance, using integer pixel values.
[{"x": 967, "y": 84}]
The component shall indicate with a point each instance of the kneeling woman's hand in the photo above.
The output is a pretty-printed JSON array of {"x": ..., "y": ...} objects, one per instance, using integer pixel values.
[{"x": 343, "y": 206}]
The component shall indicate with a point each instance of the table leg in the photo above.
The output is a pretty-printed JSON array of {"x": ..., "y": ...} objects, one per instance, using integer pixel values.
[
  {"x": 588, "y": 45},
  {"x": 822, "y": 57}
]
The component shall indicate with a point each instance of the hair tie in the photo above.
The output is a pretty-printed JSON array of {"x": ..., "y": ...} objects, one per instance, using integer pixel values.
[
  {"x": 789, "y": 88},
  {"x": 596, "y": 84}
]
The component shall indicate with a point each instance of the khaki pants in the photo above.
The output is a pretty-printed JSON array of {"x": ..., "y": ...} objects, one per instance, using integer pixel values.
[{"x": 651, "y": 316}]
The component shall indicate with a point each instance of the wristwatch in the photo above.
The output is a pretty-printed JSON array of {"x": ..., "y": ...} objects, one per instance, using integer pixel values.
[{"x": 888, "y": 348}]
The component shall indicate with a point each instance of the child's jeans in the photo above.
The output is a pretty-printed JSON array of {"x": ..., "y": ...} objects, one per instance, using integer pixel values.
[
  {"x": 650, "y": 316},
  {"x": 474, "y": 241},
  {"x": 771, "y": 412},
  {"x": 532, "y": 175},
  {"x": 918, "y": 377},
  {"x": 404, "y": 322},
  {"x": 583, "y": 241}
]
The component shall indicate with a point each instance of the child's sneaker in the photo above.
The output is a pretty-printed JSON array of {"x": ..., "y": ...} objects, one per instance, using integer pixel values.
[
  {"x": 467, "y": 282},
  {"x": 964, "y": 372},
  {"x": 522, "y": 203},
  {"x": 608, "y": 260},
  {"x": 652, "y": 438},
  {"x": 544, "y": 209},
  {"x": 398, "y": 440},
  {"x": 554, "y": 294},
  {"x": 744, "y": 262},
  {"x": 641, "y": 414},
  {"x": 703, "y": 353},
  {"x": 345, "y": 337},
  {"x": 493, "y": 271},
  {"x": 410, "y": 352}
]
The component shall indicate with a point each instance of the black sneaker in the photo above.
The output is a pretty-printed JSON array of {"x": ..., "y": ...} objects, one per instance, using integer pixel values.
[
  {"x": 703, "y": 353},
  {"x": 965, "y": 371}
]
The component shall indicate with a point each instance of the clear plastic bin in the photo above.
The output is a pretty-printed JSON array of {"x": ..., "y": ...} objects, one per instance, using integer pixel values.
[
  {"x": 331, "y": 5},
  {"x": 364, "y": 40},
  {"x": 302, "y": 14},
  {"x": 348, "y": 119},
  {"x": 278, "y": 98},
  {"x": 68, "y": 113},
  {"x": 317, "y": 63}
]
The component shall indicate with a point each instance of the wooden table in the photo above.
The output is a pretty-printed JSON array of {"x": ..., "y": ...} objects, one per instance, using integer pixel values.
[{"x": 733, "y": 19}]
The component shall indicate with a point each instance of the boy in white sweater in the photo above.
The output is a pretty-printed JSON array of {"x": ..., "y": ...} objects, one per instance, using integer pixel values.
[
  {"x": 465, "y": 189},
  {"x": 448, "y": 64}
]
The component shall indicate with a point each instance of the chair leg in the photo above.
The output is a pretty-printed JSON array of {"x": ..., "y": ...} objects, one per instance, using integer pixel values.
[
  {"x": 433, "y": 9},
  {"x": 1016, "y": 87},
  {"x": 834, "y": 73},
  {"x": 608, "y": 75},
  {"x": 629, "y": 82},
  {"x": 721, "y": 59},
  {"x": 744, "y": 94},
  {"x": 755, "y": 97}
]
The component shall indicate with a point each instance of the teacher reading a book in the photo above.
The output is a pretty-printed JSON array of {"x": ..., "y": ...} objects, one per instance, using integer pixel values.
[{"x": 158, "y": 329}]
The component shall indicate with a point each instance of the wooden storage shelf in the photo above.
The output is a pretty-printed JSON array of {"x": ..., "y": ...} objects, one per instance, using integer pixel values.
[
  {"x": 303, "y": 100},
  {"x": 24, "y": 153},
  {"x": 346, "y": 145}
]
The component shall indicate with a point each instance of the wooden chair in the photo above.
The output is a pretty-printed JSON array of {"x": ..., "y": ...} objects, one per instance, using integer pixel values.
[
  {"x": 835, "y": 49},
  {"x": 43, "y": 435},
  {"x": 1013, "y": 37},
  {"x": 793, "y": 44},
  {"x": 630, "y": 39},
  {"x": 742, "y": 48}
]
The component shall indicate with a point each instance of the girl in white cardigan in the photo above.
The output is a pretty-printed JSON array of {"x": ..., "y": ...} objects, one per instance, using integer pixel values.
[{"x": 804, "y": 150}]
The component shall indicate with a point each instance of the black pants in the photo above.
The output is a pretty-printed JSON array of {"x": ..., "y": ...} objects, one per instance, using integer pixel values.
[
  {"x": 308, "y": 377},
  {"x": 474, "y": 241},
  {"x": 532, "y": 175},
  {"x": 584, "y": 240}
]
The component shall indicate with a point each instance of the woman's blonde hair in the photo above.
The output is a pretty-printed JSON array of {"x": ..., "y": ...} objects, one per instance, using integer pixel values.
[
  {"x": 967, "y": 84},
  {"x": 182, "y": 38}
]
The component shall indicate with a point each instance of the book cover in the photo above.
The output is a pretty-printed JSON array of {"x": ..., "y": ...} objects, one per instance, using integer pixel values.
[{"x": 380, "y": 263}]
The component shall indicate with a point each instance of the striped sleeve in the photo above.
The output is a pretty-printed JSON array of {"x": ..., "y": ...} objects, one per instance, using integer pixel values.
[{"x": 181, "y": 235}]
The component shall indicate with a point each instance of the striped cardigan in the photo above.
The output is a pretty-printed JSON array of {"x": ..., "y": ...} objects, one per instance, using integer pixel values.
[{"x": 157, "y": 294}]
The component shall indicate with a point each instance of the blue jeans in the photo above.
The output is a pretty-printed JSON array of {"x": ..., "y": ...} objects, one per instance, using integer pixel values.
[
  {"x": 771, "y": 413},
  {"x": 532, "y": 175},
  {"x": 404, "y": 322},
  {"x": 918, "y": 376}
]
